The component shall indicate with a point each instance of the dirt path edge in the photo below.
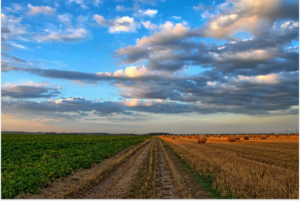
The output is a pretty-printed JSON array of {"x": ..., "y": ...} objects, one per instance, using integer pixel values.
[{"x": 84, "y": 179}]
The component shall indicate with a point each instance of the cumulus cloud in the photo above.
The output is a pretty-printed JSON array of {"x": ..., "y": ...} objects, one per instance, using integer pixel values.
[
  {"x": 148, "y": 12},
  {"x": 123, "y": 24},
  {"x": 249, "y": 16},
  {"x": 238, "y": 94},
  {"x": 46, "y": 10},
  {"x": 257, "y": 75}
]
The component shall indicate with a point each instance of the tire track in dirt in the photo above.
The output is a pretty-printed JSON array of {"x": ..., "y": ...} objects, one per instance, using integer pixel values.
[
  {"x": 186, "y": 185},
  {"x": 154, "y": 179},
  {"x": 118, "y": 183},
  {"x": 167, "y": 188}
]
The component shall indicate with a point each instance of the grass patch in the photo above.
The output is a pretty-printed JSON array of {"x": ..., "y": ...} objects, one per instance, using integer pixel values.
[{"x": 205, "y": 181}]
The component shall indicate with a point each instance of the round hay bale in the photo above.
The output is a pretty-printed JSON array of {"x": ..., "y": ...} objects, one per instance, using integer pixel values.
[
  {"x": 205, "y": 138},
  {"x": 287, "y": 135},
  {"x": 268, "y": 135},
  {"x": 263, "y": 137},
  {"x": 254, "y": 136},
  {"x": 237, "y": 137},
  {"x": 231, "y": 138},
  {"x": 190, "y": 137},
  {"x": 201, "y": 138},
  {"x": 246, "y": 137}
]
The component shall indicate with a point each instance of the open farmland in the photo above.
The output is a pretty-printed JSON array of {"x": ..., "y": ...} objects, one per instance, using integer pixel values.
[
  {"x": 31, "y": 161},
  {"x": 254, "y": 168},
  {"x": 88, "y": 167}
]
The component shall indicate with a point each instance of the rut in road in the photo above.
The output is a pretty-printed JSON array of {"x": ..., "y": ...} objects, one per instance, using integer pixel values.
[
  {"x": 152, "y": 172},
  {"x": 118, "y": 183}
]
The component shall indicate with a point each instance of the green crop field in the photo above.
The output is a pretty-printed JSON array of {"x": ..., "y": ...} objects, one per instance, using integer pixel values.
[{"x": 30, "y": 161}]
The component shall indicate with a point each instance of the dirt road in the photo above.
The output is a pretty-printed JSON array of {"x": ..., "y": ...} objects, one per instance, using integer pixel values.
[
  {"x": 147, "y": 170},
  {"x": 149, "y": 173}
]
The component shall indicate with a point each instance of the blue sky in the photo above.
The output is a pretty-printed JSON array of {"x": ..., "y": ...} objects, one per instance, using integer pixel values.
[{"x": 142, "y": 66}]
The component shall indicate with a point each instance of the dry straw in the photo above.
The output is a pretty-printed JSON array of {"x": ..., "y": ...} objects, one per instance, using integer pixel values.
[
  {"x": 231, "y": 138},
  {"x": 201, "y": 138},
  {"x": 263, "y": 137}
]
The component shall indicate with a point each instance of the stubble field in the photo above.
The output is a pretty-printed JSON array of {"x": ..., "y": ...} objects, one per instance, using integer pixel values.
[{"x": 254, "y": 168}]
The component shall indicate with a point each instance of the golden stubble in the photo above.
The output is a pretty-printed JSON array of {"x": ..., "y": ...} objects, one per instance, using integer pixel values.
[{"x": 254, "y": 168}]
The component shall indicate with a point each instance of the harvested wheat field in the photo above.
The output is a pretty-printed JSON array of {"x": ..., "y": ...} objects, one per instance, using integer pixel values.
[{"x": 253, "y": 168}]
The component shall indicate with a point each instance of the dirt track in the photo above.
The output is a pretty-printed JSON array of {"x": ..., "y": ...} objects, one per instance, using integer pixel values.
[
  {"x": 146, "y": 170},
  {"x": 149, "y": 173}
]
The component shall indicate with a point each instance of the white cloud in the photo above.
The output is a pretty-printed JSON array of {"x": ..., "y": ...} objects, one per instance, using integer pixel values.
[
  {"x": 46, "y": 10},
  {"x": 177, "y": 17},
  {"x": 122, "y": 8},
  {"x": 290, "y": 25},
  {"x": 103, "y": 21},
  {"x": 70, "y": 35},
  {"x": 169, "y": 31},
  {"x": 199, "y": 7},
  {"x": 123, "y": 24},
  {"x": 18, "y": 45},
  {"x": 83, "y": 3},
  {"x": 79, "y": 2},
  {"x": 149, "y": 25},
  {"x": 65, "y": 19},
  {"x": 148, "y": 12},
  {"x": 244, "y": 16},
  {"x": 3, "y": 16},
  {"x": 30, "y": 83}
]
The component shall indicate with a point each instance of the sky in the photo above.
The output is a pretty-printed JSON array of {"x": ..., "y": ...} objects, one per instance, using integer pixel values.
[{"x": 140, "y": 66}]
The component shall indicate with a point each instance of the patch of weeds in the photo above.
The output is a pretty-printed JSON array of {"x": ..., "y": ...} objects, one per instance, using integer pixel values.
[{"x": 204, "y": 180}]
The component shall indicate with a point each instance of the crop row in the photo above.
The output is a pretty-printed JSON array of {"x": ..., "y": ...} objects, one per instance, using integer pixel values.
[{"x": 30, "y": 161}]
